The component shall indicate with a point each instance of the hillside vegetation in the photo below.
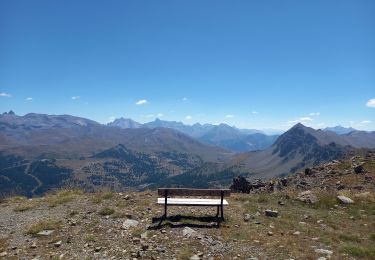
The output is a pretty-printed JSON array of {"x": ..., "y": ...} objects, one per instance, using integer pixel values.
[{"x": 70, "y": 224}]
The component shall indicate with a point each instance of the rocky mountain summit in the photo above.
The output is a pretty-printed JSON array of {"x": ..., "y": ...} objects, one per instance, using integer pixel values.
[{"x": 322, "y": 212}]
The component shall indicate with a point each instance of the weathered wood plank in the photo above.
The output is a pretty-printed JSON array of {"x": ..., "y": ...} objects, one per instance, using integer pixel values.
[
  {"x": 193, "y": 192},
  {"x": 192, "y": 202}
]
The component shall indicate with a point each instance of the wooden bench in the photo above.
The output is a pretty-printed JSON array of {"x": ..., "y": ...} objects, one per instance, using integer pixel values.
[{"x": 219, "y": 202}]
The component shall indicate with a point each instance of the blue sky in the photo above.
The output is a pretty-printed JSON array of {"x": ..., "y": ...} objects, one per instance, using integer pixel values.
[{"x": 253, "y": 64}]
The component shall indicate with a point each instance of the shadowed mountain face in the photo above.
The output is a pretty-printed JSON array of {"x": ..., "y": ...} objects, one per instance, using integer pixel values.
[
  {"x": 297, "y": 148},
  {"x": 223, "y": 135}
]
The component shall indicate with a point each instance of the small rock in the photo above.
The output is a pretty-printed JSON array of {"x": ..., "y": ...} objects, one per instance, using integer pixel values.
[
  {"x": 297, "y": 233},
  {"x": 359, "y": 169},
  {"x": 58, "y": 243},
  {"x": 3, "y": 254},
  {"x": 270, "y": 233},
  {"x": 45, "y": 232},
  {"x": 308, "y": 197},
  {"x": 127, "y": 197},
  {"x": 195, "y": 257},
  {"x": 189, "y": 232},
  {"x": 247, "y": 217},
  {"x": 129, "y": 223},
  {"x": 271, "y": 213},
  {"x": 323, "y": 251},
  {"x": 33, "y": 245},
  {"x": 98, "y": 248},
  {"x": 308, "y": 171},
  {"x": 144, "y": 235},
  {"x": 345, "y": 199}
]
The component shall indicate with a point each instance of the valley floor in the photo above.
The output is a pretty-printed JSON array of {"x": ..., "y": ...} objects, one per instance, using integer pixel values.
[{"x": 109, "y": 225}]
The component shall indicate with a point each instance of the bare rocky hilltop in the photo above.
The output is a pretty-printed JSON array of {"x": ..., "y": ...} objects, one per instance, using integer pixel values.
[{"x": 323, "y": 212}]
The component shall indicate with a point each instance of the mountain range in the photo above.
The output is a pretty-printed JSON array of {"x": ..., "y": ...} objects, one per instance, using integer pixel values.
[
  {"x": 40, "y": 152},
  {"x": 223, "y": 135}
]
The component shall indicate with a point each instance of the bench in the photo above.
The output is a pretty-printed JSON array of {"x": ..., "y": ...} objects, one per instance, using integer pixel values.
[{"x": 219, "y": 202}]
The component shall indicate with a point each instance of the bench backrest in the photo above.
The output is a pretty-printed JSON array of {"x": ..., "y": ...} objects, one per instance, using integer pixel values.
[{"x": 193, "y": 192}]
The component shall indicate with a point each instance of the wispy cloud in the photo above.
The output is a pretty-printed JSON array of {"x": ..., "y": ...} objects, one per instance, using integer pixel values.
[
  {"x": 254, "y": 112},
  {"x": 371, "y": 103},
  {"x": 76, "y": 97},
  {"x": 306, "y": 119},
  {"x": 188, "y": 117},
  {"x": 150, "y": 115},
  {"x": 141, "y": 102},
  {"x": 184, "y": 99},
  {"x": 3, "y": 94},
  {"x": 29, "y": 99},
  {"x": 314, "y": 114},
  {"x": 229, "y": 116},
  {"x": 365, "y": 122},
  {"x": 160, "y": 115}
]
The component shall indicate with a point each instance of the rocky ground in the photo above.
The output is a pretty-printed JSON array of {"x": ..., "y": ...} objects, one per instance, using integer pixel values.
[{"x": 320, "y": 213}]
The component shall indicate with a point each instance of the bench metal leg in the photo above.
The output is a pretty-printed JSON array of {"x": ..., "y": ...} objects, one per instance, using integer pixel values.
[
  {"x": 222, "y": 212},
  {"x": 217, "y": 212}
]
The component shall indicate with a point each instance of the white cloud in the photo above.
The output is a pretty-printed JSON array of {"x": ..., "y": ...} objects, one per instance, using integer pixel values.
[
  {"x": 371, "y": 103},
  {"x": 29, "y": 99},
  {"x": 3, "y": 94},
  {"x": 160, "y": 115},
  {"x": 229, "y": 116},
  {"x": 150, "y": 115},
  {"x": 188, "y": 117},
  {"x": 254, "y": 112},
  {"x": 306, "y": 118},
  {"x": 184, "y": 99},
  {"x": 141, "y": 102},
  {"x": 364, "y": 122},
  {"x": 76, "y": 97},
  {"x": 314, "y": 114}
]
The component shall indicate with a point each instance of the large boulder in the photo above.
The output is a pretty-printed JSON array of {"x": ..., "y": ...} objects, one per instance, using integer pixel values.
[{"x": 240, "y": 184}]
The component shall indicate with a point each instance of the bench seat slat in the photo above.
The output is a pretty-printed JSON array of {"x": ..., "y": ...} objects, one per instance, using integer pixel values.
[{"x": 192, "y": 202}]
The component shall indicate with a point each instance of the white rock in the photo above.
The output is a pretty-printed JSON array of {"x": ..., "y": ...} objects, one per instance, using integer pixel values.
[
  {"x": 189, "y": 232},
  {"x": 323, "y": 251},
  {"x": 45, "y": 232},
  {"x": 195, "y": 257},
  {"x": 129, "y": 223},
  {"x": 345, "y": 199}
]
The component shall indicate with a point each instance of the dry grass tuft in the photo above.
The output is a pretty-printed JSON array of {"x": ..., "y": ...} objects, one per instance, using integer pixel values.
[{"x": 50, "y": 224}]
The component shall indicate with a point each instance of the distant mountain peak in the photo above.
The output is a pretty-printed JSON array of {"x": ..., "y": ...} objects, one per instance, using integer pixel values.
[
  {"x": 340, "y": 130},
  {"x": 10, "y": 113},
  {"x": 125, "y": 123}
]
